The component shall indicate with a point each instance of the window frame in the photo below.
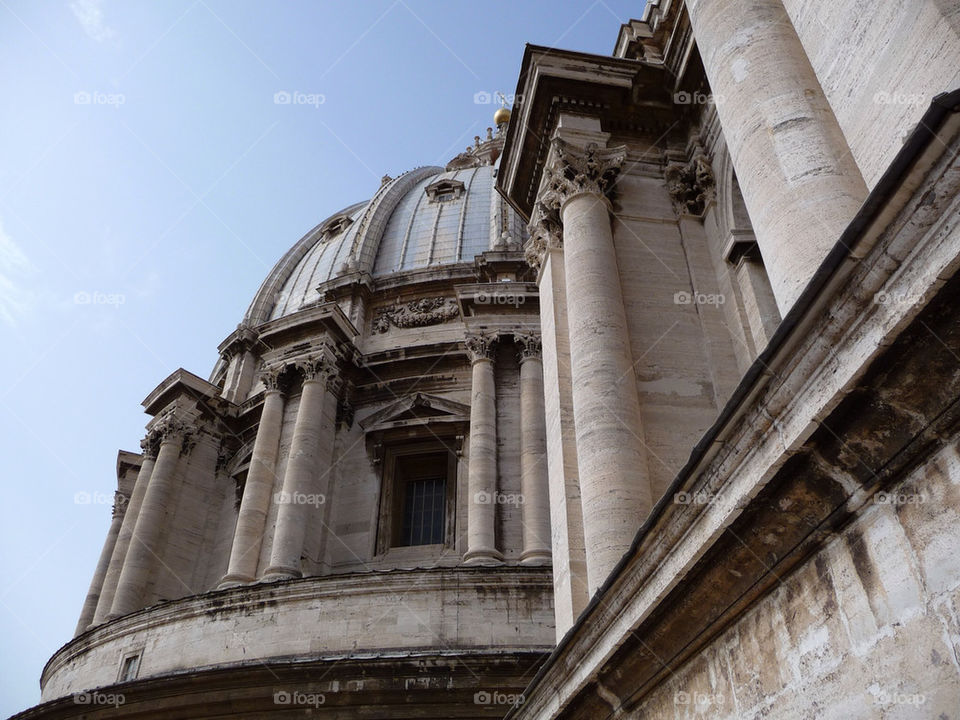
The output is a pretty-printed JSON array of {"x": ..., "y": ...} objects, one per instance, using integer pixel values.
[{"x": 390, "y": 514}]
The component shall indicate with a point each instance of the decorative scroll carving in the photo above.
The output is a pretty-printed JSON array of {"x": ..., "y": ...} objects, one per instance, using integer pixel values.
[
  {"x": 149, "y": 446},
  {"x": 426, "y": 311},
  {"x": 691, "y": 186},
  {"x": 120, "y": 501},
  {"x": 272, "y": 377},
  {"x": 481, "y": 346},
  {"x": 319, "y": 368},
  {"x": 576, "y": 170},
  {"x": 546, "y": 232},
  {"x": 528, "y": 347}
]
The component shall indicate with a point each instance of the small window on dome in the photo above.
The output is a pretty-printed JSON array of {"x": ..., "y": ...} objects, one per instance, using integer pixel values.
[
  {"x": 334, "y": 226},
  {"x": 444, "y": 190},
  {"x": 129, "y": 667}
]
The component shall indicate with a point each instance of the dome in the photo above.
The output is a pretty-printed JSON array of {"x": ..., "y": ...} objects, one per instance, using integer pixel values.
[{"x": 425, "y": 218}]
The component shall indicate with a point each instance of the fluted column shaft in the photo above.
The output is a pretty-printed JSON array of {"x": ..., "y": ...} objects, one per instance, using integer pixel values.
[
  {"x": 799, "y": 181},
  {"x": 144, "y": 545},
  {"x": 103, "y": 564},
  {"x": 255, "y": 503},
  {"x": 533, "y": 460},
  {"x": 310, "y": 456},
  {"x": 122, "y": 545},
  {"x": 482, "y": 471}
]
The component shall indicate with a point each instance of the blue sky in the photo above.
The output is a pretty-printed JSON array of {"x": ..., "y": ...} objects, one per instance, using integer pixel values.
[{"x": 148, "y": 182}]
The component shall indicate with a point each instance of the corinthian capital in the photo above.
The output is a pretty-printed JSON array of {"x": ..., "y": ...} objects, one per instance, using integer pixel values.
[
  {"x": 575, "y": 170},
  {"x": 546, "y": 232},
  {"x": 480, "y": 346},
  {"x": 529, "y": 347},
  {"x": 270, "y": 376},
  {"x": 318, "y": 368}
]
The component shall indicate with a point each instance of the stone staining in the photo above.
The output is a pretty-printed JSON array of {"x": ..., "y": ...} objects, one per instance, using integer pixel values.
[{"x": 416, "y": 313}]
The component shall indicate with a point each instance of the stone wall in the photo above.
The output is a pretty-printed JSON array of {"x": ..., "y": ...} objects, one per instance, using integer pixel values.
[
  {"x": 880, "y": 64},
  {"x": 869, "y": 627}
]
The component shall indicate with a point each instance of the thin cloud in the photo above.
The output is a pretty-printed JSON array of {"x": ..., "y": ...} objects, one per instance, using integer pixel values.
[
  {"x": 13, "y": 266},
  {"x": 90, "y": 15}
]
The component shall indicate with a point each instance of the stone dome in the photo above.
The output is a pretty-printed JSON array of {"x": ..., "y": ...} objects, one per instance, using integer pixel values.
[{"x": 425, "y": 218}]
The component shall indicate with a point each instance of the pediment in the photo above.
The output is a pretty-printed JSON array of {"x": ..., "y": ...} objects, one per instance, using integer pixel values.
[{"x": 418, "y": 409}]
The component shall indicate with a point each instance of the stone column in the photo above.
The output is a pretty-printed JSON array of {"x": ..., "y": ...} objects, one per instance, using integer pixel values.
[
  {"x": 533, "y": 454},
  {"x": 122, "y": 546},
  {"x": 144, "y": 548},
  {"x": 100, "y": 574},
  {"x": 614, "y": 481},
  {"x": 261, "y": 477},
  {"x": 799, "y": 181},
  {"x": 482, "y": 471},
  {"x": 311, "y": 453}
]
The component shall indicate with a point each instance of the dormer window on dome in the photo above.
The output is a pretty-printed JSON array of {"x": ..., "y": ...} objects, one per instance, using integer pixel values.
[
  {"x": 444, "y": 190},
  {"x": 334, "y": 227}
]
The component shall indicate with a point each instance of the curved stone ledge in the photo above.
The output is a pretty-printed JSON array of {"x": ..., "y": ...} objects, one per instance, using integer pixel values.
[{"x": 448, "y": 608}]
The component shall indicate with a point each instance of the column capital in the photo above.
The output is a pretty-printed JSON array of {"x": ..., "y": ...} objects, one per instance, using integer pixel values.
[
  {"x": 574, "y": 170},
  {"x": 318, "y": 368},
  {"x": 271, "y": 377},
  {"x": 149, "y": 446},
  {"x": 120, "y": 501},
  {"x": 529, "y": 347},
  {"x": 480, "y": 346},
  {"x": 546, "y": 233}
]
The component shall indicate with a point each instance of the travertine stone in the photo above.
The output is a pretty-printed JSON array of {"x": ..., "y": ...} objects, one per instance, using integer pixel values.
[
  {"x": 614, "y": 481},
  {"x": 482, "y": 483},
  {"x": 255, "y": 503},
  {"x": 533, "y": 459},
  {"x": 799, "y": 180},
  {"x": 103, "y": 564},
  {"x": 143, "y": 554},
  {"x": 309, "y": 464},
  {"x": 122, "y": 545}
]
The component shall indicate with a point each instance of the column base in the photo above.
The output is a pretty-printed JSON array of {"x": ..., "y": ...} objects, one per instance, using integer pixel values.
[
  {"x": 278, "y": 572},
  {"x": 230, "y": 581},
  {"x": 536, "y": 558},
  {"x": 483, "y": 556}
]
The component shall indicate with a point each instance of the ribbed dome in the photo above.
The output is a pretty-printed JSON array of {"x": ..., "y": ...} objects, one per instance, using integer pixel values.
[{"x": 424, "y": 218}]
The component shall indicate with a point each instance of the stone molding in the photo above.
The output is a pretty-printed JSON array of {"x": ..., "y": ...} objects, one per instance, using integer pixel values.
[
  {"x": 546, "y": 233},
  {"x": 416, "y": 313}
]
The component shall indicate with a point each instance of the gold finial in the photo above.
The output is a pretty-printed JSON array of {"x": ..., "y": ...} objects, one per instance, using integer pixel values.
[{"x": 501, "y": 116}]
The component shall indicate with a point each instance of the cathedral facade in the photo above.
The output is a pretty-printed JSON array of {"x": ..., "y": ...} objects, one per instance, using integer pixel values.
[{"x": 646, "y": 405}]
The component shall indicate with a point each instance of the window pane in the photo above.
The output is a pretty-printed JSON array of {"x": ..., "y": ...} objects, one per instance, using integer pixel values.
[{"x": 423, "y": 511}]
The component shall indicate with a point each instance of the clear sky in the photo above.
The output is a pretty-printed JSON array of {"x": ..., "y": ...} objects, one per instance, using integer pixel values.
[{"x": 149, "y": 181}]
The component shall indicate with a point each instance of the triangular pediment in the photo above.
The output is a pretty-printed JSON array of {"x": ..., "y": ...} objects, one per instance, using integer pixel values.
[{"x": 419, "y": 408}]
